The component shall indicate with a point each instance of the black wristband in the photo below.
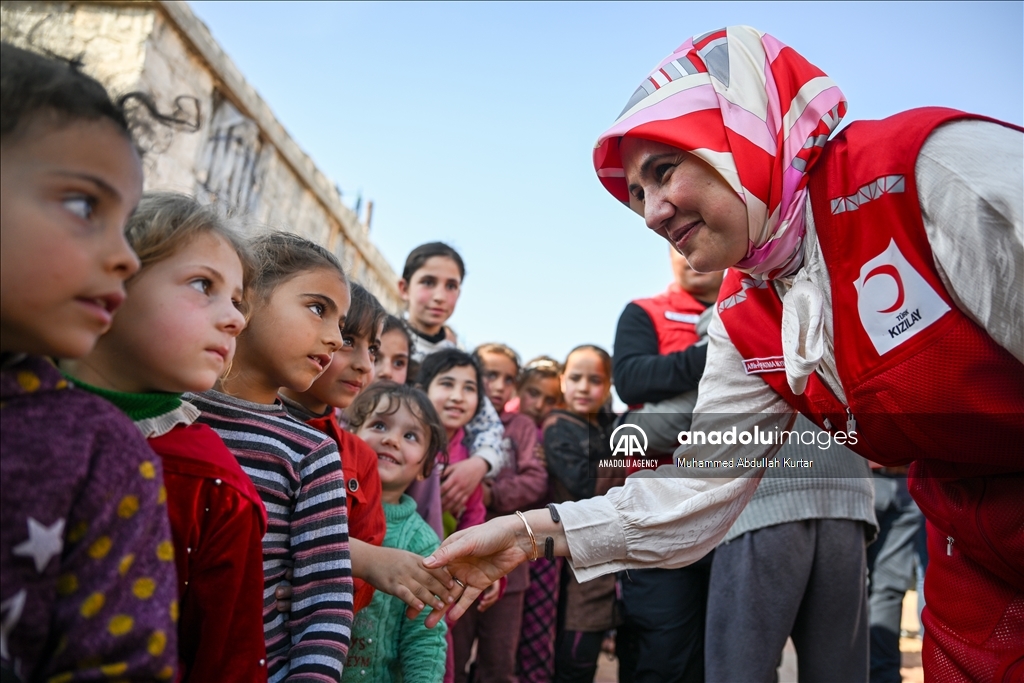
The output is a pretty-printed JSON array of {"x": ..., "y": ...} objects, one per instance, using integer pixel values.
[
  {"x": 549, "y": 549},
  {"x": 554, "y": 513}
]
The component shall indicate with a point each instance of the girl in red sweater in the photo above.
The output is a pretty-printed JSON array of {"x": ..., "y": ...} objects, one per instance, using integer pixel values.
[{"x": 176, "y": 333}]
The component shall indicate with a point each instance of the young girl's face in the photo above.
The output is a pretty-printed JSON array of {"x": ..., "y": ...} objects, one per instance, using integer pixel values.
[
  {"x": 350, "y": 372},
  {"x": 539, "y": 396},
  {"x": 66, "y": 192},
  {"x": 432, "y": 293},
  {"x": 392, "y": 362},
  {"x": 293, "y": 334},
  {"x": 455, "y": 395},
  {"x": 585, "y": 383},
  {"x": 177, "y": 329},
  {"x": 499, "y": 378},
  {"x": 400, "y": 442}
]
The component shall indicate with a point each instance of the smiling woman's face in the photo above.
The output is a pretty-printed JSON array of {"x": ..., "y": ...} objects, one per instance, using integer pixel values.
[{"x": 687, "y": 202}]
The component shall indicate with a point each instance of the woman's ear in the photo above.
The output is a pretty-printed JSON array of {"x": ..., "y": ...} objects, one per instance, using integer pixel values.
[{"x": 403, "y": 290}]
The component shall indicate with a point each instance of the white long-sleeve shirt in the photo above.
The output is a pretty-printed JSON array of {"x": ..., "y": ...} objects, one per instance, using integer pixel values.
[{"x": 970, "y": 181}]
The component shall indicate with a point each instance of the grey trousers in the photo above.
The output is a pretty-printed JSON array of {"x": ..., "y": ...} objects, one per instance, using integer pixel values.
[{"x": 805, "y": 580}]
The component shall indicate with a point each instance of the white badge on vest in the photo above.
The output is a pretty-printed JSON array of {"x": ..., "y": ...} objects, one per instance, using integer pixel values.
[
  {"x": 691, "y": 318},
  {"x": 894, "y": 301}
]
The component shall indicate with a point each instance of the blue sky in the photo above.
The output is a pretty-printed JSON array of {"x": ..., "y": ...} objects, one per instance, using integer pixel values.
[{"x": 474, "y": 123}]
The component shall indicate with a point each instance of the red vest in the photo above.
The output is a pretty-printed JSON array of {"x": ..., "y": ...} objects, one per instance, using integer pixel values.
[
  {"x": 924, "y": 382},
  {"x": 674, "y": 314},
  {"x": 921, "y": 379}
]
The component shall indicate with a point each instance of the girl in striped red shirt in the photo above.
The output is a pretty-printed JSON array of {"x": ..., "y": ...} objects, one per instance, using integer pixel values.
[{"x": 297, "y": 305}]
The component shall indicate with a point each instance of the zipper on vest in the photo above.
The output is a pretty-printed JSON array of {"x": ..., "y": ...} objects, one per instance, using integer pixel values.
[
  {"x": 949, "y": 545},
  {"x": 851, "y": 422}
]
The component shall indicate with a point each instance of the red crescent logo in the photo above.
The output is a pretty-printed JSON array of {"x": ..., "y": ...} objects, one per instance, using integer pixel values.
[{"x": 890, "y": 270}]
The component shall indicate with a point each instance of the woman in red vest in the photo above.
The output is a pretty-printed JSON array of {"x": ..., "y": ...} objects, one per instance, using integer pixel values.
[{"x": 875, "y": 285}]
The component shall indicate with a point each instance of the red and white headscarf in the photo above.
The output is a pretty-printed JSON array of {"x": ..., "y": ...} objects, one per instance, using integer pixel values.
[{"x": 753, "y": 109}]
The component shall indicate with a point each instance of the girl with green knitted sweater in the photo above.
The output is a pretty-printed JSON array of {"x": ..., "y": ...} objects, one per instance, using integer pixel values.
[{"x": 401, "y": 426}]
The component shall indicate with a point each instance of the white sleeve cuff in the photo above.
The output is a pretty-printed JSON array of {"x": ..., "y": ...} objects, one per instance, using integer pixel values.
[
  {"x": 658, "y": 519},
  {"x": 594, "y": 534}
]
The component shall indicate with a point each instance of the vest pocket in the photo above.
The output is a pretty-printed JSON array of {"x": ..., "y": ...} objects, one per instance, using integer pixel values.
[
  {"x": 899, "y": 436},
  {"x": 982, "y": 577}
]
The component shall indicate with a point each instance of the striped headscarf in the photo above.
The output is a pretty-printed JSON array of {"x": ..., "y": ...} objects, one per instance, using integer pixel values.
[{"x": 753, "y": 109}]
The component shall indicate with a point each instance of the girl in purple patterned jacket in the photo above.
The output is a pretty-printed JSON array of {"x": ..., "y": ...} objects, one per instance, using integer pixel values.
[{"x": 87, "y": 582}]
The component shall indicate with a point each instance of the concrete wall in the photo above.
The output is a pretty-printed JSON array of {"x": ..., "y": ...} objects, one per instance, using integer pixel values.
[{"x": 242, "y": 158}]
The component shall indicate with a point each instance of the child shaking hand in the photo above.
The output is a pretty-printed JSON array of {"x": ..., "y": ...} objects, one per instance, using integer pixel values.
[{"x": 401, "y": 426}]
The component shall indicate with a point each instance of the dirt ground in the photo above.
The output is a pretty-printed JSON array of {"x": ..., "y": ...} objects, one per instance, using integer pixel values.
[{"x": 607, "y": 670}]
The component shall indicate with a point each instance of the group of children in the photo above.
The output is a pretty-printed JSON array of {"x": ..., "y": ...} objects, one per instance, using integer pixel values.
[{"x": 224, "y": 461}]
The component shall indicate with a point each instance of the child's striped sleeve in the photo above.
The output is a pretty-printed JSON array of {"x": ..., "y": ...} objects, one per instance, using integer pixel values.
[{"x": 321, "y": 616}]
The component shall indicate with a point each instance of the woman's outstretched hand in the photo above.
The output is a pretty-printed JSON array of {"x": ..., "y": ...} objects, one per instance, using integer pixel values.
[{"x": 480, "y": 555}]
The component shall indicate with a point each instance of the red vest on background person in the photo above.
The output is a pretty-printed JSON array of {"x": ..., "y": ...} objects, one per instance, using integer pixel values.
[
  {"x": 674, "y": 314},
  {"x": 924, "y": 384}
]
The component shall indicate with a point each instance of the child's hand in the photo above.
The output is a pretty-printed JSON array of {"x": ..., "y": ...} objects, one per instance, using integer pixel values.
[
  {"x": 283, "y": 595},
  {"x": 488, "y": 495},
  {"x": 402, "y": 574},
  {"x": 459, "y": 481},
  {"x": 489, "y": 597},
  {"x": 480, "y": 556}
]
